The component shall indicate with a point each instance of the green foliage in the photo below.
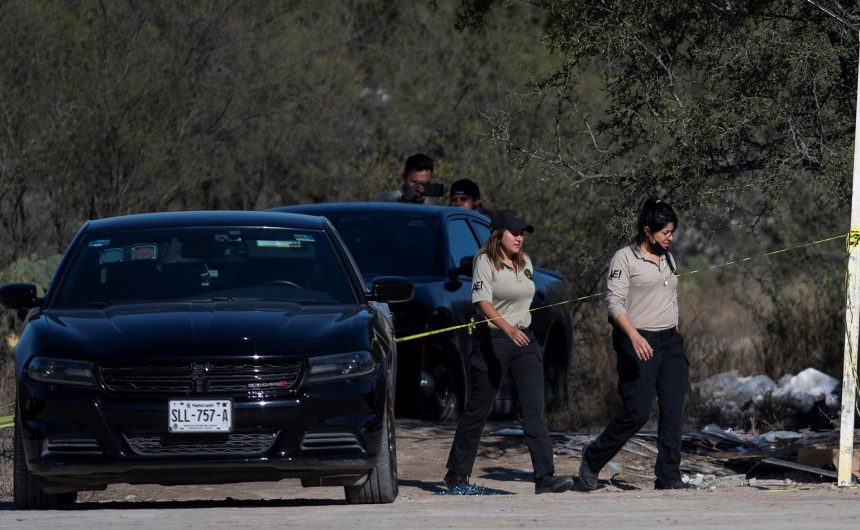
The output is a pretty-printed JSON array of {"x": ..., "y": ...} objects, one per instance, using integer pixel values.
[
  {"x": 33, "y": 269},
  {"x": 115, "y": 108},
  {"x": 720, "y": 108}
]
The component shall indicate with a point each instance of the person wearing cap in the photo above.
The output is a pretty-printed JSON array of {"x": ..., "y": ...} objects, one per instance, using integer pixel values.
[
  {"x": 502, "y": 291},
  {"x": 466, "y": 194},
  {"x": 643, "y": 310}
]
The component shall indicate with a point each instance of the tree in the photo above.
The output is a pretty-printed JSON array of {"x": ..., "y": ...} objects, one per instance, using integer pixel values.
[
  {"x": 122, "y": 107},
  {"x": 705, "y": 101},
  {"x": 740, "y": 114}
]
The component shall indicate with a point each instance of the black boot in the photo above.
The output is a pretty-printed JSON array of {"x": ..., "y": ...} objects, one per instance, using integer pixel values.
[{"x": 553, "y": 484}]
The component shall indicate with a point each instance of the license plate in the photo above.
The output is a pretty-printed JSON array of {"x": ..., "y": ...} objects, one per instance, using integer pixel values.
[{"x": 200, "y": 415}]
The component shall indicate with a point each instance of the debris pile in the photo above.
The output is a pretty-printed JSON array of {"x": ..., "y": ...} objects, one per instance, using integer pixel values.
[
  {"x": 796, "y": 416},
  {"x": 717, "y": 458},
  {"x": 804, "y": 450},
  {"x": 757, "y": 402}
]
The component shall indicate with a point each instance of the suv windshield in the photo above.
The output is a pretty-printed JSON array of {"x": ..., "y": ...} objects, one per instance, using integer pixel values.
[
  {"x": 209, "y": 263},
  {"x": 408, "y": 246}
]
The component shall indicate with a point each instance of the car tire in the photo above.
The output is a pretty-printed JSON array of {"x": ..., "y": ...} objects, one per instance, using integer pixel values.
[
  {"x": 27, "y": 492},
  {"x": 441, "y": 389},
  {"x": 381, "y": 485}
]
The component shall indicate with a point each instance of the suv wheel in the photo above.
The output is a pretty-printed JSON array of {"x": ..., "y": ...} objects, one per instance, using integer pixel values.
[
  {"x": 555, "y": 378},
  {"x": 441, "y": 391}
]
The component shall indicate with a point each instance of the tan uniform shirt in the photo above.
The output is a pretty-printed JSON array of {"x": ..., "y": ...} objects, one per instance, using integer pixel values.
[
  {"x": 647, "y": 292},
  {"x": 510, "y": 292}
]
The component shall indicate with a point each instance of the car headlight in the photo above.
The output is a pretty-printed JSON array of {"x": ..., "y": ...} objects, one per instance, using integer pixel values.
[
  {"x": 62, "y": 372},
  {"x": 339, "y": 366}
]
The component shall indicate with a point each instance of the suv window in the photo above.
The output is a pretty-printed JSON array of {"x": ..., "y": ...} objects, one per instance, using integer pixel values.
[
  {"x": 461, "y": 240},
  {"x": 482, "y": 230},
  {"x": 381, "y": 245}
]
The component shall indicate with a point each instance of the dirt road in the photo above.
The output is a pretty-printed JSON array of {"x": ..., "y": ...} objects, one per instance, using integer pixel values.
[{"x": 627, "y": 501}]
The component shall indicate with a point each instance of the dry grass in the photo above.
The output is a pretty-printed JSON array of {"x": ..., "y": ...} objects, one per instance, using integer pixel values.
[
  {"x": 5, "y": 464},
  {"x": 7, "y": 387},
  {"x": 7, "y": 407}
]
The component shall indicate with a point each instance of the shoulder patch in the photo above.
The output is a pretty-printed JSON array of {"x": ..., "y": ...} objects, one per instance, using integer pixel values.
[
  {"x": 477, "y": 286},
  {"x": 528, "y": 274},
  {"x": 615, "y": 274}
]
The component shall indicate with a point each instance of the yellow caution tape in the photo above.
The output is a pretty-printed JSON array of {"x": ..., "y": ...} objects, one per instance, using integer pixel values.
[
  {"x": 853, "y": 238},
  {"x": 473, "y": 323},
  {"x": 771, "y": 253}
]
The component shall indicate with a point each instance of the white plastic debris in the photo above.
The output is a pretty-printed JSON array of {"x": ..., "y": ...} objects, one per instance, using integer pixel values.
[
  {"x": 731, "y": 386},
  {"x": 731, "y": 393},
  {"x": 773, "y": 437},
  {"x": 807, "y": 387}
]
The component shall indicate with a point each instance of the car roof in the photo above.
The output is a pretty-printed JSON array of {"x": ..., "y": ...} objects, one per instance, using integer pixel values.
[
  {"x": 206, "y": 218},
  {"x": 430, "y": 210}
]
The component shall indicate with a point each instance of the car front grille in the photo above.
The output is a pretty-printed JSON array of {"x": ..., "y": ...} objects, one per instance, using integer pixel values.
[
  {"x": 71, "y": 446},
  {"x": 324, "y": 441},
  {"x": 264, "y": 379},
  {"x": 233, "y": 444}
]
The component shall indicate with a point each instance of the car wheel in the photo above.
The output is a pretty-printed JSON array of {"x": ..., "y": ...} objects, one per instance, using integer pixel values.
[
  {"x": 381, "y": 486},
  {"x": 27, "y": 491},
  {"x": 440, "y": 388},
  {"x": 555, "y": 378}
]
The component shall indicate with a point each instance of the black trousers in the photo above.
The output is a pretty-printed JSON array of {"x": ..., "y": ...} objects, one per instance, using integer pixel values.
[
  {"x": 667, "y": 375},
  {"x": 493, "y": 355}
]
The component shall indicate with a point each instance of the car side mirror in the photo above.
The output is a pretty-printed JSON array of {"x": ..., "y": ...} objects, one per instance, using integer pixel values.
[
  {"x": 466, "y": 265},
  {"x": 391, "y": 289},
  {"x": 19, "y": 296}
]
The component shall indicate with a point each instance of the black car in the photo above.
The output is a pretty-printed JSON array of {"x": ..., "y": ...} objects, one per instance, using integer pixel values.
[
  {"x": 205, "y": 347},
  {"x": 434, "y": 247}
]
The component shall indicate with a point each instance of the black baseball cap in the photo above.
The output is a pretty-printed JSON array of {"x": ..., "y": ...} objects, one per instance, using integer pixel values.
[
  {"x": 510, "y": 220},
  {"x": 465, "y": 187}
]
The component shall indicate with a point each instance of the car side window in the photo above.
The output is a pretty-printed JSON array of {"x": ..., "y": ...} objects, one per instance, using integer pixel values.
[
  {"x": 482, "y": 230},
  {"x": 461, "y": 240}
]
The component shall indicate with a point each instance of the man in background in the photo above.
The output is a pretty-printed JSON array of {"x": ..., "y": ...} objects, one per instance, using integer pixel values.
[
  {"x": 466, "y": 194},
  {"x": 417, "y": 187}
]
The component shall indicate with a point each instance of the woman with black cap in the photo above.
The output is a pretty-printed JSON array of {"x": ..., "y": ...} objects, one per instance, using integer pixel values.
[{"x": 502, "y": 291}]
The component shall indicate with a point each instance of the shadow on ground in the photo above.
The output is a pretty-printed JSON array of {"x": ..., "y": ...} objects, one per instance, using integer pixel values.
[{"x": 182, "y": 505}]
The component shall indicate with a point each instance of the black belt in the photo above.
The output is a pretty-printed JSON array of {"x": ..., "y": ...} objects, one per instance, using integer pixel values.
[
  {"x": 495, "y": 331},
  {"x": 662, "y": 334}
]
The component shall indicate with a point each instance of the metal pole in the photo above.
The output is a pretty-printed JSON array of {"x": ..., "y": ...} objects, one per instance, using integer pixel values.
[{"x": 852, "y": 316}]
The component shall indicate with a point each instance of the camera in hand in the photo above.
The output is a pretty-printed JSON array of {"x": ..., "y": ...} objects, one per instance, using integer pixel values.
[{"x": 434, "y": 189}]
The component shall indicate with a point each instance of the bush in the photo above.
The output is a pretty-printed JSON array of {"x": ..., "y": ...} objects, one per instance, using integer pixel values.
[
  {"x": 26, "y": 270},
  {"x": 29, "y": 270}
]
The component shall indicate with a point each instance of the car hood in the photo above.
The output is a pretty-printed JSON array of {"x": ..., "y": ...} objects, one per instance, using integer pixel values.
[{"x": 206, "y": 328}]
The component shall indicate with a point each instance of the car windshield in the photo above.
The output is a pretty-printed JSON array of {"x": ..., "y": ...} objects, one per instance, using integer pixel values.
[
  {"x": 407, "y": 246},
  {"x": 209, "y": 263}
]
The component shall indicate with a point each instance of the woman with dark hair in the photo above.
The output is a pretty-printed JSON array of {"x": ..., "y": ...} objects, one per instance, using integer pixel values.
[
  {"x": 643, "y": 310},
  {"x": 502, "y": 291}
]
